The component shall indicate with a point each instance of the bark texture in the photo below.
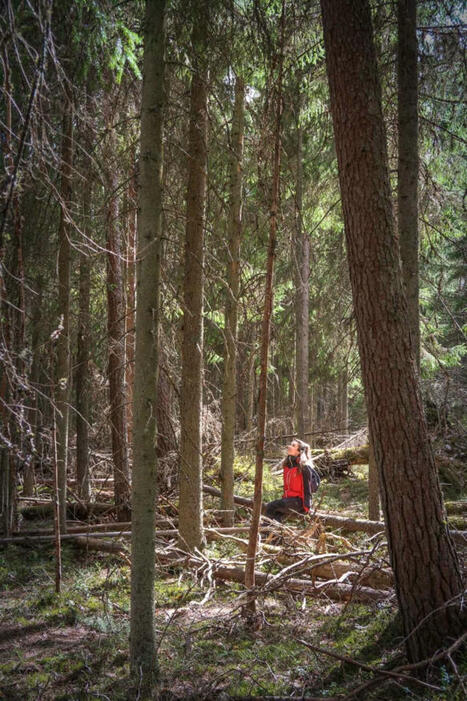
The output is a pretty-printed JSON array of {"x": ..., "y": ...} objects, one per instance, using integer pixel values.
[
  {"x": 301, "y": 263},
  {"x": 265, "y": 333},
  {"x": 373, "y": 487},
  {"x": 407, "y": 174},
  {"x": 63, "y": 378},
  {"x": 82, "y": 365},
  {"x": 191, "y": 494},
  {"x": 116, "y": 351},
  {"x": 229, "y": 389},
  {"x": 143, "y": 656},
  {"x": 426, "y": 569},
  {"x": 130, "y": 308}
]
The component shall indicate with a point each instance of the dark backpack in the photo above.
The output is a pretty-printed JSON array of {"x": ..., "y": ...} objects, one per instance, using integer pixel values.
[{"x": 315, "y": 480}]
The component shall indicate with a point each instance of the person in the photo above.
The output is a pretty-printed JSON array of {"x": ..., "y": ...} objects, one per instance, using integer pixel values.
[{"x": 298, "y": 476}]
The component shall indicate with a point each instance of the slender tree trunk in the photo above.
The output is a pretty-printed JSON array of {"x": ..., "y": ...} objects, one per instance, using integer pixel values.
[
  {"x": 301, "y": 263},
  {"x": 229, "y": 389},
  {"x": 250, "y": 405},
  {"x": 191, "y": 477},
  {"x": 33, "y": 413},
  {"x": 116, "y": 350},
  {"x": 63, "y": 376},
  {"x": 83, "y": 414},
  {"x": 342, "y": 401},
  {"x": 14, "y": 316},
  {"x": 166, "y": 437},
  {"x": 143, "y": 656},
  {"x": 5, "y": 333},
  {"x": 130, "y": 309},
  {"x": 426, "y": 569},
  {"x": 407, "y": 181},
  {"x": 265, "y": 333}
]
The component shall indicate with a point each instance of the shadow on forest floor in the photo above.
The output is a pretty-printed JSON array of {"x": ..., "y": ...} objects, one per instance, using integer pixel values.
[{"x": 74, "y": 645}]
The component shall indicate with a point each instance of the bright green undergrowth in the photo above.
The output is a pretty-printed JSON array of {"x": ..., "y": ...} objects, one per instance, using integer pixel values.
[{"x": 74, "y": 645}]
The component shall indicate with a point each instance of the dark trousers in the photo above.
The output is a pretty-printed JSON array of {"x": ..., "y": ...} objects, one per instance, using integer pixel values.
[{"x": 282, "y": 507}]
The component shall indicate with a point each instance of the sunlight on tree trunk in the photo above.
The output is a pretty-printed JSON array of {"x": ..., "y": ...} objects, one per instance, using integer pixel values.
[
  {"x": 407, "y": 180},
  {"x": 428, "y": 584},
  {"x": 191, "y": 394},
  {"x": 143, "y": 657},
  {"x": 250, "y": 608},
  {"x": 229, "y": 389}
]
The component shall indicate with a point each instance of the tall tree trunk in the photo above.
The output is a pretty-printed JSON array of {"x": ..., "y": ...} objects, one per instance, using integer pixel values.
[
  {"x": 83, "y": 414},
  {"x": 426, "y": 568},
  {"x": 144, "y": 666},
  {"x": 407, "y": 180},
  {"x": 63, "y": 373},
  {"x": 14, "y": 338},
  {"x": 301, "y": 264},
  {"x": 130, "y": 308},
  {"x": 35, "y": 378},
  {"x": 265, "y": 332},
  {"x": 116, "y": 350},
  {"x": 229, "y": 389},
  {"x": 5, "y": 332},
  {"x": 191, "y": 477}
]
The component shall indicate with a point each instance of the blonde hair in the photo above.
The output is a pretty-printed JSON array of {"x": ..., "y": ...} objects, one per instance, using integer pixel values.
[{"x": 304, "y": 447}]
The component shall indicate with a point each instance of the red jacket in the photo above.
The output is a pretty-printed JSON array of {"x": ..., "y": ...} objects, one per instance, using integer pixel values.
[{"x": 297, "y": 481}]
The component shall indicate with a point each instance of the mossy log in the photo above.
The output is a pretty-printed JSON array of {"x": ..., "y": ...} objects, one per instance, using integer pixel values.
[{"x": 456, "y": 508}]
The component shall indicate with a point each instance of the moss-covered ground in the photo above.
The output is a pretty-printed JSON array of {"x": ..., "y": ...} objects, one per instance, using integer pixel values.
[{"x": 74, "y": 645}]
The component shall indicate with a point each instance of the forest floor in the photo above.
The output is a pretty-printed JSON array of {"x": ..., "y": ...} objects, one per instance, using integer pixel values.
[{"x": 74, "y": 645}]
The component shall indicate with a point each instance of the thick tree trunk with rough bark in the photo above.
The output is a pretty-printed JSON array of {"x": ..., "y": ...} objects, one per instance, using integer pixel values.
[
  {"x": 407, "y": 178},
  {"x": 143, "y": 656},
  {"x": 191, "y": 494},
  {"x": 63, "y": 377},
  {"x": 229, "y": 389},
  {"x": 116, "y": 351},
  {"x": 426, "y": 568}
]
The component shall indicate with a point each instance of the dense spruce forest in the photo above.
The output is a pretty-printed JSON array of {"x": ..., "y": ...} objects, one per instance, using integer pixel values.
[{"x": 233, "y": 349}]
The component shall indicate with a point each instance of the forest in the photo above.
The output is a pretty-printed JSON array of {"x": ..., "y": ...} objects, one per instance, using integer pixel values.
[{"x": 233, "y": 355}]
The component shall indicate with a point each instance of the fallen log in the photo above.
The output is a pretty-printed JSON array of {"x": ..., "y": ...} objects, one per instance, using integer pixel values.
[
  {"x": 332, "y": 520},
  {"x": 80, "y": 528},
  {"x": 74, "y": 510},
  {"x": 456, "y": 508},
  {"x": 167, "y": 533},
  {"x": 91, "y": 543},
  {"x": 374, "y": 577},
  {"x": 334, "y": 591}
]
